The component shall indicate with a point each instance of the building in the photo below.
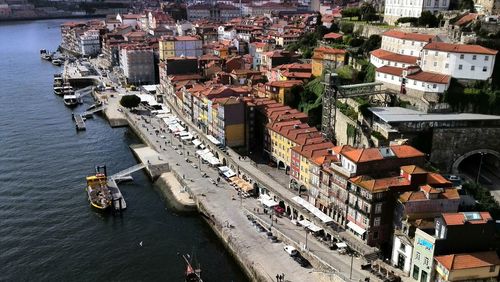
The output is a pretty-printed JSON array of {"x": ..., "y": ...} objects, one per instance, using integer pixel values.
[
  {"x": 488, "y": 7},
  {"x": 395, "y": 9},
  {"x": 405, "y": 43},
  {"x": 477, "y": 266},
  {"x": 137, "y": 64},
  {"x": 90, "y": 43},
  {"x": 416, "y": 208},
  {"x": 229, "y": 121},
  {"x": 180, "y": 46},
  {"x": 286, "y": 39},
  {"x": 219, "y": 12},
  {"x": 447, "y": 237},
  {"x": 268, "y": 8},
  {"x": 280, "y": 91},
  {"x": 469, "y": 62},
  {"x": 327, "y": 58}
]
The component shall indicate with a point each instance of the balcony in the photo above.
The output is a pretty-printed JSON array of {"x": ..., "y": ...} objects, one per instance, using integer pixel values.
[{"x": 338, "y": 168}]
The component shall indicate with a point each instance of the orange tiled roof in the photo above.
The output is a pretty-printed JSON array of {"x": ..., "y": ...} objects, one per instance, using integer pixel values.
[
  {"x": 380, "y": 184},
  {"x": 395, "y": 57},
  {"x": 408, "y": 35},
  {"x": 332, "y": 35},
  {"x": 459, "y": 48},
  {"x": 413, "y": 169},
  {"x": 459, "y": 218},
  {"x": 469, "y": 260}
]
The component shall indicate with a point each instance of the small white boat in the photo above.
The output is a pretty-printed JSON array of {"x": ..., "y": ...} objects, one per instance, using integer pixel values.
[
  {"x": 57, "y": 62},
  {"x": 58, "y": 90},
  {"x": 70, "y": 100}
]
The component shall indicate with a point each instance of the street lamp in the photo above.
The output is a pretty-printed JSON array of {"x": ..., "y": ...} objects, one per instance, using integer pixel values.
[{"x": 480, "y": 164}]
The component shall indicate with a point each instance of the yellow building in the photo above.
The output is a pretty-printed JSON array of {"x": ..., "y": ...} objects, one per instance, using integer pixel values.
[
  {"x": 280, "y": 91},
  {"x": 303, "y": 156},
  {"x": 327, "y": 58},
  {"x": 180, "y": 46},
  {"x": 285, "y": 135},
  {"x": 480, "y": 266}
]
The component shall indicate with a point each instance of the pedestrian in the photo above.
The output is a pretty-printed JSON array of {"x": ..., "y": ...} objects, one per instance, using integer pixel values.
[
  {"x": 277, "y": 278},
  {"x": 281, "y": 278}
]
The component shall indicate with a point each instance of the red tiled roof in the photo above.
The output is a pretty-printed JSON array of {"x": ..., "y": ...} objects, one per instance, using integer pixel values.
[
  {"x": 459, "y": 218},
  {"x": 466, "y": 19},
  {"x": 329, "y": 50},
  {"x": 380, "y": 184},
  {"x": 390, "y": 56},
  {"x": 285, "y": 83},
  {"x": 469, "y": 260},
  {"x": 332, "y": 35},
  {"x": 406, "y": 151},
  {"x": 459, "y": 48},
  {"x": 408, "y": 35},
  {"x": 419, "y": 76}
]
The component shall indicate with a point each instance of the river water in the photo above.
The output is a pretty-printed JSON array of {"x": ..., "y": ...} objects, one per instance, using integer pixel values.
[{"x": 47, "y": 229}]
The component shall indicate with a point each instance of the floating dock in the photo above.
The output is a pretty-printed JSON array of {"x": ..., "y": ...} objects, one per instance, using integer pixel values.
[
  {"x": 79, "y": 121},
  {"x": 118, "y": 200}
]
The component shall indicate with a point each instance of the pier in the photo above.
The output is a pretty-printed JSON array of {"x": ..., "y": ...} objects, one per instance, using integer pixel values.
[{"x": 79, "y": 121}]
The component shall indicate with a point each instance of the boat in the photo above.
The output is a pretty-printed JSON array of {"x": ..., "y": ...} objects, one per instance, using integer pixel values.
[
  {"x": 70, "y": 100},
  {"x": 57, "y": 62},
  {"x": 191, "y": 274},
  {"x": 44, "y": 54},
  {"x": 68, "y": 89},
  {"x": 58, "y": 90},
  {"x": 98, "y": 192}
]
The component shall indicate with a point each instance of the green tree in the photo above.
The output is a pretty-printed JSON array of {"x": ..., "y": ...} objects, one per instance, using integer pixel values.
[
  {"x": 347, "y": 28},
  {"x": 428, "y": 19},
  {"x": 351, "y": 12},
  {"x": 368, "y": 12},
  {"x": 130, "y": 101},
  {"x": 347, "y": 74},
  {"x": 373, "y": 42},
  {"x": 370, "y": 73}
]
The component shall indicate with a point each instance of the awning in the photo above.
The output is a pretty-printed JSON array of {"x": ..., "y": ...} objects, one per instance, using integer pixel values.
[
  {"x": 314, "y": 228},
  {"x": 223, "y": 168},
  {"x": 356, "y": 228},
  {"x": 213, "y": 140},
  {"x": 314, "y": 210},
  {"x": 341, "y": 245},
  {"x": 187, "y": 137},
  {"x": 196, "y": 142},
  {"x": 266, "y": 201},
  {"x": 229, "y": 173},
  {"x": 305, "y": 222}
]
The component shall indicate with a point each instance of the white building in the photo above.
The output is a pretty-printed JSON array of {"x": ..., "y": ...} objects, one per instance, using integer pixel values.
[
  {"x": 380, "y": 58},
  {"x": 90, "y": 43},
  {"x": 458, "y": 60},
  {"x": 395, "y": 9},
  {"x": 412, "y": 80},
  {"x": 405, "y": 43},
  {"x": 226, "y": 32},
  {"x": 137, "y": 64}
]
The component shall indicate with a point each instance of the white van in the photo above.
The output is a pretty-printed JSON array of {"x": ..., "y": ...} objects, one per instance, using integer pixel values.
[{"x": 290, "y": 250}]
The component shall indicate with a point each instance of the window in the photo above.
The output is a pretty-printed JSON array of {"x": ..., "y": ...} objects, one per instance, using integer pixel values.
[
  {"x": 474, "y": 57},
  {"x": 486, "y": 58},
  {"x": 435, "y": 64},
  {"x": 411, "y": 53},
  {"x": 485, "y": 69},
  {"x": 472, "y": 68},
  {"x": 434, "y": 86},
  {"x": 426, "y": 52},
  {"x": 378, "y": 208},
  {"x": 459, "y": 67},
  {"x": 414, "y": 82},
  {"x": 492, "y": 268},
  {"x": 416, "y": 270},
  {"x": 385, "y": 75},
  {"x": 423, "y": 277},
  {"x": 461, "y": 56},
  {"x": 426, "y": 261},
  {"x": 448, "y": 55},
  {"x": 446, "y": 65},
  {"x": 417, "y": 256},
  {"x": 402, "y": 247},
  {"x": 376, "y": 221},
  {"x": 436, "y": 53}
]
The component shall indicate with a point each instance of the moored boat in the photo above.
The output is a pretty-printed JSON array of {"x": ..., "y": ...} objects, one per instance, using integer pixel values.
[
  {"x": 98, "y": 191},
  {"x": 57, "y": 62},
  {"x": 70, "y": 100},
  {"x": 191, "y": 274},
  {"x": 58, "y": 90}
]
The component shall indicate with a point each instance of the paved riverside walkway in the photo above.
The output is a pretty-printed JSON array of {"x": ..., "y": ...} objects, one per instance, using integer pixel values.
[
  {"x": 252, "y": 245},
  {"x": 339, "y": 263}
]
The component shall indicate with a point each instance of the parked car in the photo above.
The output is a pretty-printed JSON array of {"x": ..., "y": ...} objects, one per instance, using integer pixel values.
[
  {"x": 290, "y": 250},
  {"x": 278, "y": 209},
  {"x": 301, "y": 260}
]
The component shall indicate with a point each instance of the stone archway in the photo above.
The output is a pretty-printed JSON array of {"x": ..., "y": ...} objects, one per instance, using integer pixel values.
[
  {"x": 224, "y": 162},
  {"x": 281, "y": 165},
  {"x": 456, "y": 163},
  {"x": 288, "y": 211}
]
